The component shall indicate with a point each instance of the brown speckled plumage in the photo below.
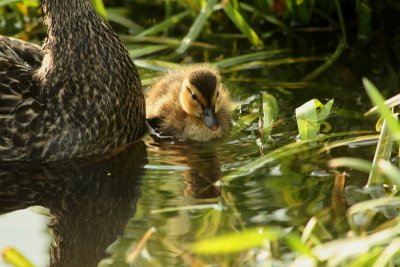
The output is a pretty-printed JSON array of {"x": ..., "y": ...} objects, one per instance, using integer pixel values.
[
  {"x": 165, "y": 99},
  {"x": 77, "y": 96}
]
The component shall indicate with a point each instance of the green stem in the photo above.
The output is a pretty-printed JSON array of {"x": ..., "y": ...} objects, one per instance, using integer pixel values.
[
  {"x": 327, "y": 64},
  {"x": 341, "y": 21}
]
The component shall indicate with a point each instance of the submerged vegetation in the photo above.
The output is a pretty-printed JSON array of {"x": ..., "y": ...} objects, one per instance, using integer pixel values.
[{"x": 304, "y": 139}]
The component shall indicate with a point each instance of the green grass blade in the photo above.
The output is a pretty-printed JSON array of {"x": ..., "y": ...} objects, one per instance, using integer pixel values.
[
  {"x": 292, "y": 149},
  {"x": 162, "y": 40},
  {"x": 237, "y": 18},
  {"x": 32, "y": 3},
  {"x": 115, "y": 15},
  {"x": 162, "y": 26},
  {"x": 236, "y": 242},
  {"x": 157, "y": 65},
  {"x": 269, "y": 18},
  {"x": 348, "y": 141},
  {"x": 327, "y": 64},
  {"x": 383, "y": 151},
  {"x": 340, "y": 251},
  {"x": 99, "y": 6},
  {"x": 379, "y": 101},
  {"x": 7, "y": 2},
  {"x": 135, "y": 53},
  {"x": 256, "y": 164},
  {"x": 388, "y": 253},
  {"x": 363, "y": 207},
  {"x": 189, "y": 207},
  {"x": 354, "y": 163},
  {"x": 391, "y": 102},
  {"x": 232, "y": 61},
  {"x": 390, "y": 171},
  {"x": 257, "y": 64},
  {"x": 196, "y": 27}
]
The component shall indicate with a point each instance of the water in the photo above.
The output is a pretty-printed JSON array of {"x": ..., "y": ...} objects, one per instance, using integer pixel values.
[
  {"x": 176, "y": 188},
  {"x": 26, "y": 230}
]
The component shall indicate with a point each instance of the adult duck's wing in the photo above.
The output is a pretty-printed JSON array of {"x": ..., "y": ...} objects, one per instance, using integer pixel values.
[
  {"x": 20, "y": 107},
  {"x": 23, "y": 51}
]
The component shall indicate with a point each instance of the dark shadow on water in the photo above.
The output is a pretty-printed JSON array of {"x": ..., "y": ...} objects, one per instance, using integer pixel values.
[{"x": 89, "y": 203}]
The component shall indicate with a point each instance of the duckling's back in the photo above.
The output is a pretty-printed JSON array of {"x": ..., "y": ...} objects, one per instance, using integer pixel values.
[{"x": 163, "y": 96}]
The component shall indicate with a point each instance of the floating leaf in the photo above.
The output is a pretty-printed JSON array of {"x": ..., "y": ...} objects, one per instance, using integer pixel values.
[
  {"x": 269, "y": 113},
  {"x": 310, "y": 116}
]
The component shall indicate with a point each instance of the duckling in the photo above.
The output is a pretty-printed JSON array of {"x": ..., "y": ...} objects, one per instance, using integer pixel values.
[
  {"x": 79, "y": 95},
  {"x": 190, "y": 103}
]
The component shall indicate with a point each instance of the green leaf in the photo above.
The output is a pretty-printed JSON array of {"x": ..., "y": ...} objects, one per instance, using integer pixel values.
[
  {"x": 390, "y": 171},
  {"x": 150, "y": 49},
  {"x": 244, "y": 122},
  {"x": 269, "y": 112},
  {"x": 325, "y": 110},
  {"x": 32, "y": 3},
  {"x": 391, "y": 102},
  {"x": 196, "y": 27},
  {"x": 232, "y": 61},
  {"x": 162, "y": 26},
  {"x": 236, "y": 242},
  {"x": 378, "y": 100},
  {"x": 237, "y": 18},
  {"x": 7, "y": 2},
  {"x": 115, "y": 15},
  {"x": 354, "y": 163},
  {"x": 310, "y": 116},
  {"x": 15, "y": 258},
  {"x": 383, "y": 151},
  {"x": 99, "y": 6},
  {"x": 307, "y": 120},
  {"x": 157, "y": 65}
]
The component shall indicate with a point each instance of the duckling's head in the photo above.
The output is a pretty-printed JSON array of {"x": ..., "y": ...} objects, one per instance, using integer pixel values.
[{"x": 199, "y": 95}]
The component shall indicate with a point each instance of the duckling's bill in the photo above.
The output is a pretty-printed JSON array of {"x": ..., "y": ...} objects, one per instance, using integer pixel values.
[{"x": 210, "y": 118}]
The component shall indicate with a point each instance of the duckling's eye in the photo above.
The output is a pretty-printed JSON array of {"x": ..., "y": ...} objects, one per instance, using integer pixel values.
[{"x": 194, "y": 97}]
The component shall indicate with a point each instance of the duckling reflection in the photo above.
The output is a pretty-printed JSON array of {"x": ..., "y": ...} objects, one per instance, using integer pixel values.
[
  {"x": 89, "y": 203},
  {"x": 204, "y": 167},
  {"x": 190, "y": 104}
]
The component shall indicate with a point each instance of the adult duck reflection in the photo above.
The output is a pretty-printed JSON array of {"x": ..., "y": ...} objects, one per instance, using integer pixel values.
[{"x": 89, "y": 203}]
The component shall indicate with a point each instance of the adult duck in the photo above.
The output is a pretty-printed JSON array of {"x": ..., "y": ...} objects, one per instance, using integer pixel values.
[{"x": 77, "y": 96}]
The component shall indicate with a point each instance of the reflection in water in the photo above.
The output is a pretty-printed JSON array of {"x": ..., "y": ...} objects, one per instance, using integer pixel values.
[
  {"x": 204, "y": 167},
  {"x": 89, "y": 203}
]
